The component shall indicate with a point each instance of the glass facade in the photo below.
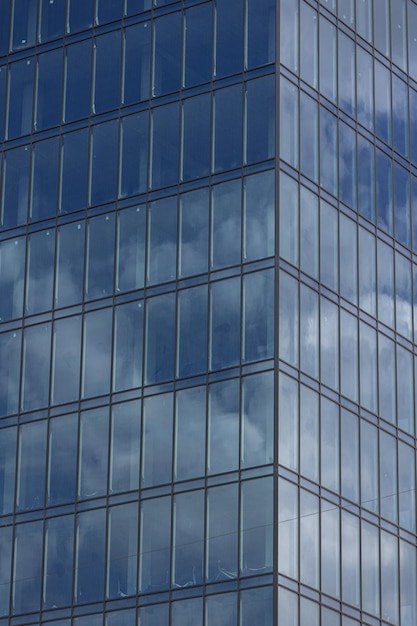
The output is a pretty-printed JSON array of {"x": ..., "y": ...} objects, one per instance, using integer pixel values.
[{"x": 208, "y": 248}]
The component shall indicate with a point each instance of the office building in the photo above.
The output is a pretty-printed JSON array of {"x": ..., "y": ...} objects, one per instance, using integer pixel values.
[{"x": 208, "y": 243}]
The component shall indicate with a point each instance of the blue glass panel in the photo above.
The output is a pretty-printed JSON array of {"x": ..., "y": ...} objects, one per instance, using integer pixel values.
[
  {"x": 52, "y": 19},
  {"x": 348, "y": 259},
  {"x": 27, "y": 567},
  {"x": 225, "y": 323},
  {"x": 80, "y": 15},
  {"x": 164, "y": 168},
  {"x": 229, "y": 37},
  {"x": 328, "y": 151},
  {"x": 7, "y": 476},
  {"x": 193, "y": 235},
  {"x": 6, "y": 544},
  {"x": 329, "y": 461},
  {"x": 107, "y": 71},
  {"x": 346, "y": 73},
  {"x": 260, "y": 119},
  {"x": 122, "y": 550},
  {"x": 403, "y": 295},
  {"x": 309, "y": 161},
  {"x": 408, "y": 577},
  {"x": 122, "y": 618},
  {"x": 350, "y": 559},
  {"x": 256, "y": 526},
  {"x": 347, "y": 164},
  {"x": 104, "y": 139},
  {"x": 198, "y": 44},
  {"x": 100, "y": 256},
  {"x": 406, "y": 487},
  {"x": 137, "y": 41},
  {"x": 367, "y": 272},
  {"x": 162, "y": 235},
  {"x": 154, "y": 559},
  {"x": 196, "y": 136},
  {"x": 154, "y": 615},
  {"x": 3, "y": 79},
  {"x": 188, "y": 539},
  {"x": 260, "y": 32},
  {"x": 384, "y": 191},
  {"x": 57, "y": 590},
  {"x": 226, "y": 218},
  {"x": 405, "y": 391},
  {"x": 256, "y": 607},
  {"x": 125, "y": 447},
  {"x": 227, "y": 128},
  {"x": 289, "y": 122},
  {"x": 309, "y": 331},
  {"x": 12, "y": 264},
  {"x": 382, "y": 101},
  {"x": 259, "y": 215},
  {"x": 328, "y": 59},
  {"x": 412, "y": 38},
  {"x": 4, "y": 27},
  {"x": 386, "y": 362},
  {"x": 364, "y": 19},
  {"x": 308, "y": 44},
  {"x": 130, "y": 264},
  {"x": 288, "y": 528},
  {"x": 400, "y": 115},
  {"x": 388, "y": 476},
  {"x": 288, "y": 318},
  {"x": 128, "y": 339},
  {"x": 93, "y": 461},
  {"x": 381, "y": 27},
  {"x": 190, "y": 433},
  {"x": 97, "y": 353},
  {"x": 192, "y": 331},
  {"x": 330, "y": 554},
  {"x": 49, "y": 85},
  {"x": 366, "y": 178},
  {"x": 44, "y": 179},
  {"x": 258, "y": 315},
  {"x": 108, "y": 10},
  {"x": 223, "y": 444},
  {"x": 369, "y": 467},
  {"x": 309, "y": 232},
  {"x": 329, "y": 246},
  {"x": 90, "y": 550},
  {"x": 329, "y": 343},
  {"x": 66, "y": 360},
  {"x": 257, "y": 420},
  {"x": 24, "y": 23},
  {"x": 349, "y": 378},
  {"x": 70, "y": 264},
  {"x": 74, "y": 168},
  {"x": 157, "y": 435},
  {"x": 32, "y": 466},
  {"x": 368, "y": 367},
  {"x": 187, "y": 613},
  {"x": 402, "y": 205},
  {"x": 365, "y": 87},
  {"x": 389, "y": 577},
  {"x": 36, "y": 357},
  {"x": 21, "y": 76},
  {"x": 134, "y": 154},
  {"x": 78, "y": 78},
  {"x": 10, "y": 347},
  {"x": 62, "y": 462},
  {"x": 167, "y": 50},
  {"x": 309, "y": 538},
  {"x": 160, "y": 338},
  {"x": 221, "y": 609}
]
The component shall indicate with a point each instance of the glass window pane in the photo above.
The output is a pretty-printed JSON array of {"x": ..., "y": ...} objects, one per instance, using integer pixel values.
[
  {"x": 70, "y": 264},
  {"x": 256, "y": 526},
  {"x": 329, "y": 246},
  {"x": 221, "y": 609},
  {"x": 347, "y": 164},
  {"x": 389, "y": 577},
  {"x": 327, "y": 59},
  {"x": 134, "y": 154},
  {"x": 10, "y": 347},
  {"x": 89, "y": 558},
  {"x": 21, "y": 76},
  {"x": 125, "y": 447},
  {"x": 400, "y": 115},
  {"x": 51, "y": 20},
  {"x": 78, "y": 76},
  {"x": 187, "y": 613},
  {"x": 198, "y": 44},
  {"x": 289, "y": 122},
  {"x": 260, "y": 119},
  {"x": 137, "y": 40},
  {"x": 257, "y": 421},
  {"x": 309, "y": 137},
  {"x": 222, "y": 533},
  {"x": 309, "y": 232},
  {"x": 66, "y": 360},
  {"x": 403, "y": 308},
  {"x": 227, "y": 127},
  {"x": 40, "y": 271},
  {"x": 309, "y": 331},
  {"x": 128, "y": 341},
  {"x": 192, "y": 331},
  {"x": 104, "y": 139},
  {"x": 366, "y": 179},
  {"x": 225, "y": 324},
  {"x": 350, "y": 559},
  {"x": 27, "y": 567},
  {"x": 383, "y": 99},
  {"x": 309, "y": 434},
  {"x": 309, "y": 538},
  {"x": 405, "y": 390},
  {"x": 131, "y": 233},
  {"x": 289, "y": 34},
  {"x": 36, "y": 358},
  {"x": 349, "y": 456},
  {"x": 12, "y": 267},
  {"x": 258, "y": 216},
  {"x": 100, "y": 256},
  {"x": 288, "y": 318},
  {"x": 160, "y": 338},
  {"x": 164, "y": 167},
  {"x": 408, "y": 579},
  {"x": 406, "y": 487},
  {"x": 329, "y": 434},
  {"x": 93, "y": 461},
  {"x": 6, "y": 543},
  {"x": 107, "y": 72},
  {"x": 154, "y": 615},
  {"x": 348, "y": 261},
  {"x": 80, "y": 15},
  {"x": 369, "y": 467},
  {"x": 229, "y": 37},
  {"x": 330, "y": 550},
  {"x": 49, "y": 84},
  {"x": 59, "y": 540},
  {"x": 388, "y": 476},
  {"x": 226, "y": 218},
  {"x": 365, "y": 87},
  {"x": 193, "y": 232},
  {"x": 308, "y": 44},
  {"x": 368, "y": 367},
  {"x": 329, "y": 343},
  {"x": 157, "y": 440},
  {"x": 346, "y": 73},
  {"x": 154, "y": 551},
  {"x": 223, "y": 429},
  {"x": 383, "y": 179},
  {"x": 44, "y": 179},
  {"x": 385, "y": 276},
  {"x": 15, "y": 186},
  {"x": 288, "y": 521},
  {"x": 367, "y": 272},
  {"x": 386, "y": 363},
  {"x": 96, "y": 353},
  {"x": 256, "y": 607},
  {"x": 122, "y": 550},
  {"x": 7, "y": 474},
  {"x": 349, "y": 355},
  {"x": 62, "y": 460},
  {"x": 32, "y": 466},
  {"x": 188, "y": 539},
  {"x": 258, "y": 314},
  {"x": 328, "y": 150},
  {"x": 196, "y": 136},
  {"x": 162, "y": 236},
  {"x": 74, "y": 169},
  {"x": 167, "y": 51},
  {"x": 190, "y": 433}
]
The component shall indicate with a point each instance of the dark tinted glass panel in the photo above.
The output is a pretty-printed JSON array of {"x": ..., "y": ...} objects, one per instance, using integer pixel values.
[
  {"x": 227, "y": 128},
  {"x": 157, "y": 436},
  {"x": 137, "y": 47},
  {"x": 108, "y": 10},
  {"x": 27, "y": 567},
  {"x": 66, "y": 360},
  {"x": 80, "y": 15},
  {"x": 167, "y": 50},
  {"x": 49, "y": 86},
  {"x": 10, "y": 347},
  {"x": 40, "y": 273},
  {"x": 160, "y": 338},
  {"x": 261, "y": 32},
  {"x": 100, "y": 256},
  {"x": 229, "y": 37},
  {"x": 78, "y": 79},
  {"x": 12, "y": 262},
  {"x": 89, "y": 563},
  {"x": 36, "y": 357},
  {"x": 162, "y": 235},
  {"x": 7, "y": 475},
  {"x": 62, "y": 463},
  {"x": 260, "y": 119},
  {"x": 128, "y": 338},
  {"x": 74, "y": 160},
  {"x": 52, "y": 19},
  {"x": 164, "y": 145},
  {"x": 107, "y": 71},
  {"x": 44, "y": 179},
  {"x": 192, "y": 331},
  {"x": 198, "y": 44},
  {"x": 130, "y": 262},
  {"x": 70, "y": 264},
  {"x": 24, "y": 24},
  {"x": 104, "y": 162},
  {"x": 196, "y": 136},
  {"x": 58, "y": 558},
  {"x": 97, "y": 353},
  {"x": 21, "y": 76}
]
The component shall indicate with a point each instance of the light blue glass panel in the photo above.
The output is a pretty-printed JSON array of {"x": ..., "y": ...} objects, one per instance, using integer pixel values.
[
  {"x": 62, "y": 459},
  {"x": 330, "y": 550},
  {"x": 329, "y": 343},
  {"x": 122, "y": 618},
  {"x": 288, "y": 521},
  {"x": 368, "y": 367},
  {"x": 223, "y": 427},
  {"x": 260, "y": 119},
  {"x": 89, "y": 557},
  {"x": 96, "y": 353},
  {"x": 59, "y": 547},
  {"x": 289, "y": 34},
  {"x": 21, "y": 76},
  {"x": 162, "y": 236},
  {"x": 287, "y": 607},
  {"x": 154, "y": 551},
  {"x": 27, "y": 567},
  {"x": 381, "y": 27},
  {"x": 288, "y": 219},
  {"x": 49, "y": 86},
  {"x": 100, "y": 256},
  {"x": 288, "y": 318},
  {"x": 309, "y": 159},
  {"x": 193, "y": 233},
  {"x": 137, "y": 40},
  {"x": 3, "y": 79},
  {"x": 289, "y": 122},
  {"x": 399, "y": 33},
  {"x": 309, "y": 233},
  {"x": 308, "y": 44},
  {"x": 107, "y": 72},
  {"x": 256, "y": 607},
  {"x": 329, "y": 449},
  {"x": 125, "y": 447},
  {"x": 389, "y": 578},
  {"x": 256, "y": 526},
  {"x": 12, "y": 267},
  {"x": 402, "y": 205},
  {"x": 226, "y": 218},
  {"x": 190, "y": 433},
  {"x": 36, "y": 357},
  {"x": 406, "y": 487},
  {"x": 122, "y": 551},
  {"x": 388, "y": 476},
  {"x": 80, "y": 15},
  {"x": 385, "y": 275},
  {"x": 364, "y": 20},
  {"x": 309, "y": 434},
  {"x": 188, "y": 539},
  {"x": 44, "y": 179},
  {"x": 229, "y": 37},
  {"x": 408, "y": 577},
  {"x": 164, "y": 167},
  {"x": 221, "y": 610},
  {"x": 154, "y": 615},
  {"x": 350, "y": 559},
  {"x": 104, "y": 140},
  {"x": 227, "y": 152},
  {"x": 328, "y": 151},
  {"x": 40, "y": 271},
  {"x": 309, "y": 539},
  {"x": 329, "y": 246},
  {"x": 364, "y": 87},
  {"x": 400, "y": 115},
  {"x": 403, "y": 310},
  {"x": 366, "y": 178},
  {"x": 32, "y": 465},
  {"x": 347, "y": 164},
  {"x": 130, "y": 254},
  {"x": 288, "y": 427},
  {"x": 225, "y": 323},
  {"x": 7, "y": 473},
  {"x": 128, "y": 340},
  {"x": 196, "y": 114},
  {"x": 346, "y": 73},
  {"x": 66, "y": 360},
  {"x": 197, "y": 44},
  {"x": 384, "y": 191},
  {"x": 157, "y": 436},
  {"x": 370, "y": 568},
  {"x": 52, "y": 19},
  {"x": 382, "y": 101},
  {"x": 346, "y": 12},
  {"x": 93, "y": 461},
  {"x": 15, "y": 186},
  {"x": 414, "y": 210},
  {"x": 222, "y": 533},
  {"x": 367, "y": 272},
  {"x": 386, "y": 363},
  {"x": 187, "y": 613},
  {"x": 70, "y": 264},
  {"x": 167, "y": 54},
  {"x": 348, "y": 259},
  {"x": 260, "y": 36},
  {"x": 309, "y": 613},
  {"x": 309, "y": 331},
  {"x": 192, "y": 331},
  {"x": 258, "y": 215},
  {"x": 412, "y": 38},
  {"x": 78, "y": 77},
  {"x": 160, "y": 338},
  {"x": 10, "y": 347},
  {"x": 6, "y": 544},
  {"x": 74, "y": 168},
  {"x": 349, "y": 355},
  {"x": 369, "y": 467},
  {"x": 349, "y": 456},
  {"x": 405, "y": 389},
  {"x": 327, "y": 59},
  {"x": 23, "y": 24},
  {"x": 257, "y": 420}
]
